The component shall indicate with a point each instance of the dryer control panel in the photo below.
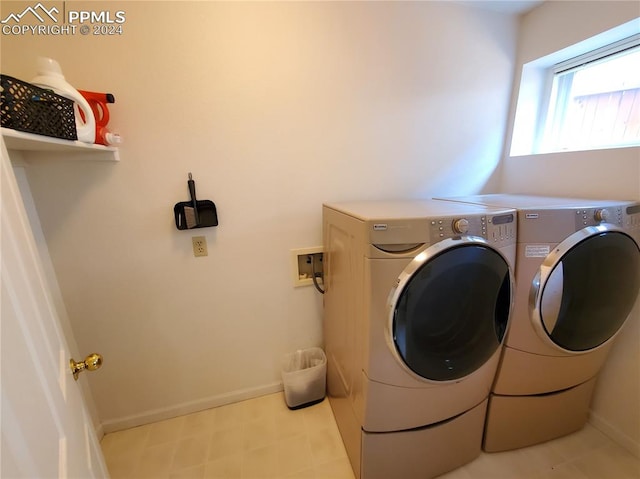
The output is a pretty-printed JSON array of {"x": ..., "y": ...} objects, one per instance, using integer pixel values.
[
  {"x": 632, "y": 217},
  {"x": 623, "y": 215},
  {"x": 499, "y": 229},
  {"x": 594, "y": 216}
]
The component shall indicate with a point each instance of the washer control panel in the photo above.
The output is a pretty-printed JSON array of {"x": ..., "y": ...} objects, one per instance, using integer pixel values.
[{"x": 500, "y": 228}]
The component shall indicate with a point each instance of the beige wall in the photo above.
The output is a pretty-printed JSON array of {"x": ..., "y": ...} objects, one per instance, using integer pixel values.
[
  {"x": 595, "y": 174},
  {"x": 275, "y": 108}
]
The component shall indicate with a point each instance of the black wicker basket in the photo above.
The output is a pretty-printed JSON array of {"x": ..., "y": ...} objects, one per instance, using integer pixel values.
[{"x": 26, "y": 107}]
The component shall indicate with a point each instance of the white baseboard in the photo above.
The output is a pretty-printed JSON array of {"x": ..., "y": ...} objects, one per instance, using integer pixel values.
[
  {"x": 614, "y": 434},
  {"x": 147, "y": 417}
]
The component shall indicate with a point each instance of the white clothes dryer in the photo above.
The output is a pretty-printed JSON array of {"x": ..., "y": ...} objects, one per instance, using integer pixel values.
[
  {"x": 417, "y": 303},
  {"x": 577, "y": 279}
]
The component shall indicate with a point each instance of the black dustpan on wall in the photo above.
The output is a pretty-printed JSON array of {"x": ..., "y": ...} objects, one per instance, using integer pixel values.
[
  {"x": 206, "y": 210},
  {"x": 195, "y": 213}
]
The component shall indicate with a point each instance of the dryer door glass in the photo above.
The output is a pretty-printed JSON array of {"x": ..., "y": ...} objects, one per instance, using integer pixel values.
[
  {"x": 591, "y": 291},
  {"x": 452, "y": 314}
]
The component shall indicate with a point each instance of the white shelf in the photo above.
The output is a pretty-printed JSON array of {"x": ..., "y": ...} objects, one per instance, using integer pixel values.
[{"x": 19, "y": 140}]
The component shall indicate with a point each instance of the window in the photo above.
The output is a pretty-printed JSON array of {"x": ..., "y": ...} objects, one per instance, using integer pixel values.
[
  {"x": 594, "y": 100},
  {"x": 585, "y": 96}
]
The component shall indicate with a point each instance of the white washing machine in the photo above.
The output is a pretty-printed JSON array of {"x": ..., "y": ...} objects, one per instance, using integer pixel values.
[
  {"x": 577, "y": 279},
  {"x": 418, "y": 298}
]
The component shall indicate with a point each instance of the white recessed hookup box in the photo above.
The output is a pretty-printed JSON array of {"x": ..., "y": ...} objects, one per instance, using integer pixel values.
[{"x": 301, "y": 267}]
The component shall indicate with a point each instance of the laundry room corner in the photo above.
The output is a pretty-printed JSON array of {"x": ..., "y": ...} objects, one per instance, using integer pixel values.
[{"x": 274, "y": 108}]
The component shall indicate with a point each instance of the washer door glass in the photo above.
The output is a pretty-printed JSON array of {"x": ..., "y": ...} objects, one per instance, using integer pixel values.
[
  {"x": 591, "y": 291},
  {"x": 452, "y": 314}
]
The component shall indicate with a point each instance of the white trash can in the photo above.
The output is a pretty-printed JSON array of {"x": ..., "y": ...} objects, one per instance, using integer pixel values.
[{"x": 304, "y": 376}]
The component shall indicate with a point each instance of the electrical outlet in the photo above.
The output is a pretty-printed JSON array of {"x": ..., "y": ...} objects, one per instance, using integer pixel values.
[{"x": 199, "y": 245}]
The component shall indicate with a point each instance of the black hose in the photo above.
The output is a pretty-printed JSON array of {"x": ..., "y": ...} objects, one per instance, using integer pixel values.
[{"x": 313, "y": 275}]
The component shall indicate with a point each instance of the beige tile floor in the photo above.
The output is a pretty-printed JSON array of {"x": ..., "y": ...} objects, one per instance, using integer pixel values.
[
  {"x": 261, "y": 438},
  {"x": 257, "y": 438}
]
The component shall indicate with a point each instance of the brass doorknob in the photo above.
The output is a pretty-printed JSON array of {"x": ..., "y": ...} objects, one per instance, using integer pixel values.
[{"x": 91, "y": 362}]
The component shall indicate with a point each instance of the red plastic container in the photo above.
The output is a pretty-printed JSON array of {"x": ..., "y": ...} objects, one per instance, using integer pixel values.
[{"x": 98, "y": 103}]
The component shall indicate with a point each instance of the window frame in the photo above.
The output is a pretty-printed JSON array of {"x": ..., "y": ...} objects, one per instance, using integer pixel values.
[
  {"x": 530, "y": 100},
  {"x": 599, "y": 55}
]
